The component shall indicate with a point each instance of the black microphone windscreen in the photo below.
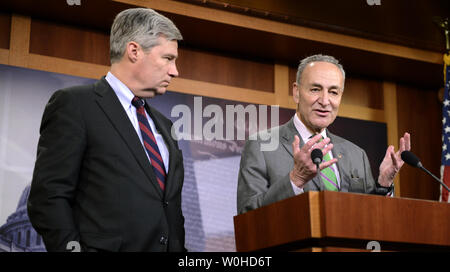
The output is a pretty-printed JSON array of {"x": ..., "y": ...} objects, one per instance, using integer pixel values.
[
  {"x": 316, "y": 156},
  {"x": 410, "y": 158}
]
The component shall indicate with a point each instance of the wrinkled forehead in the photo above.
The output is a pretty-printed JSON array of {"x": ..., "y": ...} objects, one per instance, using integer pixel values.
[{"x": 322, "y": 73}]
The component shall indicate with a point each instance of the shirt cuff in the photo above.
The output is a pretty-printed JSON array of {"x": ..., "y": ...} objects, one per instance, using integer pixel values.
[{"x": 297, "y": 190}]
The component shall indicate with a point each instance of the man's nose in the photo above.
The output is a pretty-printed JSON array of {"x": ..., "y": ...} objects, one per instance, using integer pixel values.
[
  {"x": 173, "y": 71},
  {"x": 324, "y": 98}
]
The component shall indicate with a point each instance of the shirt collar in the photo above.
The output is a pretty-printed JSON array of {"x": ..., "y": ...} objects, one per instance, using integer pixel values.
[
  {"x": 303, "y": 131},
  {"x": 124, "y": 94}
]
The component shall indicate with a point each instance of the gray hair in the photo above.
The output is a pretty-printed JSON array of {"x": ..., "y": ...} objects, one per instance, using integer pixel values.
[
  {"x": 317, "y": 58},
  {"x": 141, "y": 25}
]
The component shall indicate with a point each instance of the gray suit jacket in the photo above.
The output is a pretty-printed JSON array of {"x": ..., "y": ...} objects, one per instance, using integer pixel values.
[{"x": 264, "y": 175}]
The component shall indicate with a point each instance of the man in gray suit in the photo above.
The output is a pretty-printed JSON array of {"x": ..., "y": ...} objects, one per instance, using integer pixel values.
[{"x": 266, "y": 177}]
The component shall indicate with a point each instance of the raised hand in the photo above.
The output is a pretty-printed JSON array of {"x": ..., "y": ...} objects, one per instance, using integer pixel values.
[
  {"x": 392, "y": 161},
  {"x": 304, "y": 169}
]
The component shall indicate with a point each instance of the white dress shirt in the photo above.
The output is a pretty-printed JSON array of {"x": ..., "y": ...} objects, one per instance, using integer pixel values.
[
  {"x": 306, "y": 135},
  {"x": 125, "y": 96}
]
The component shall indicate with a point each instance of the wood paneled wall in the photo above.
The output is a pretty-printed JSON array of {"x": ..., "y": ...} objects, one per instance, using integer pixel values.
[
  {"x": 69, "y": 42},
  {"x": 84, "y": 52},
  {"x": 420, "y": 113},
  {"x": 225, "y": 70},
  {"x": 5, "y": 30}
]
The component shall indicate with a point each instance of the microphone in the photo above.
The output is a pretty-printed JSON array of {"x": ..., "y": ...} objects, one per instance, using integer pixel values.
[
  {"x": 317, "y": 157},
  {"x": 413, "y": 160}
]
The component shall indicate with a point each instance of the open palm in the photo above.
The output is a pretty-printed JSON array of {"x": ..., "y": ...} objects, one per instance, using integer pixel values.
[{"x": 392, "y": 161}]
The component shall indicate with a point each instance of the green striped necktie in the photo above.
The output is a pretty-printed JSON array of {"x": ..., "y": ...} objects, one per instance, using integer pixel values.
[{"x": 327, "y": 175}]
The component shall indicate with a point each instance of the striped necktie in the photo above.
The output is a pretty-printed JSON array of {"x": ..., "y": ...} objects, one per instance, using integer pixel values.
[
  {"x": 149, "y": 140},
  {"x": 328, "y": 176}
]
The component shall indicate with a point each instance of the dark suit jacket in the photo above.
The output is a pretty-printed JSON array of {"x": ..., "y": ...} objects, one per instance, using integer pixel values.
[
  {"x": 264, "y": 175},
  {"x": 93, "y": 182}
]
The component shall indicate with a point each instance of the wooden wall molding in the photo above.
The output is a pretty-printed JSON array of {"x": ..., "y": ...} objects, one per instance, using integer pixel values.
[
  {"x": 202, "y": 88},
  {"x": 188, "y": 86},
  {"x": 282, "y": 86},
  {"x": 19, "y": 40},
  {"x": 4, "y": 56},
  {"x": 362, "y": 113},
  {"x": 390, "y": 113},
  {"x": 64, "y": 66}
]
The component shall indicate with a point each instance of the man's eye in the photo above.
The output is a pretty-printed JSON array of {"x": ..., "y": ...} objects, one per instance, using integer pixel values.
[{"x": 315, "y": 90}]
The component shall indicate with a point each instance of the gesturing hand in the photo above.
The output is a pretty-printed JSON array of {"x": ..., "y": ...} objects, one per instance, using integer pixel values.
[
  {"x": 392, "y": 161},
  {"x": 304, "y": 169}
]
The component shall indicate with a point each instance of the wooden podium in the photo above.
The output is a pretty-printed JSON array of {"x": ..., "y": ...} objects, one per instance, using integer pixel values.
[{"x": 336, "y": 221}]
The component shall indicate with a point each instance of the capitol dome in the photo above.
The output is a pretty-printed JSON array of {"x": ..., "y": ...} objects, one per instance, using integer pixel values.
[{"x": 17, "y": 234}]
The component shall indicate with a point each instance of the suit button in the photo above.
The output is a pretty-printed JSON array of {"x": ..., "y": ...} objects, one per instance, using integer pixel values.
[
  {"x": 165, "y": 204},
  {"x": 163, "y": 240}
]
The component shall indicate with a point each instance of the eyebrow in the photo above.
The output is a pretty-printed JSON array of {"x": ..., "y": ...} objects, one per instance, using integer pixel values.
[{"x": 320, "y": 86}]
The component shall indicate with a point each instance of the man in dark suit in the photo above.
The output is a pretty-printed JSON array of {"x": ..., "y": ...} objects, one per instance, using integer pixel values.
[
  {"x": 268, "y": 176},
  {"x": 108, "y": 174}
]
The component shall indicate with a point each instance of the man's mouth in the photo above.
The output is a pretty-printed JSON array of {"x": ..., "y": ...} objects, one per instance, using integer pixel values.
[{"x": 322, "y": 113}]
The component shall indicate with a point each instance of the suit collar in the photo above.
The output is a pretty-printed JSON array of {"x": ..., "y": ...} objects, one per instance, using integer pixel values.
[
  {"x": 338, "y": 149},
  {"x": 287, "y": 133},
  {"x": 102, "y": 88},
  {"x": 123, "y": 93},
  {"x": 289, "y": 130},
  {"x": 109, "y": 103},
  {"x": 342, "y": 155},
  {"x": 303, "y": 130}
]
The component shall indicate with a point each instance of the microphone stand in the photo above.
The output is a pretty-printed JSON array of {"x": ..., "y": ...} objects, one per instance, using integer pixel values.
[{"x": 431, "y": 174}]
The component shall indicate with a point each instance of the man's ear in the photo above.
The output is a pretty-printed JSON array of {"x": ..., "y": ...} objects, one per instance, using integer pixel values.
[{"x": 133, "y": 51}]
